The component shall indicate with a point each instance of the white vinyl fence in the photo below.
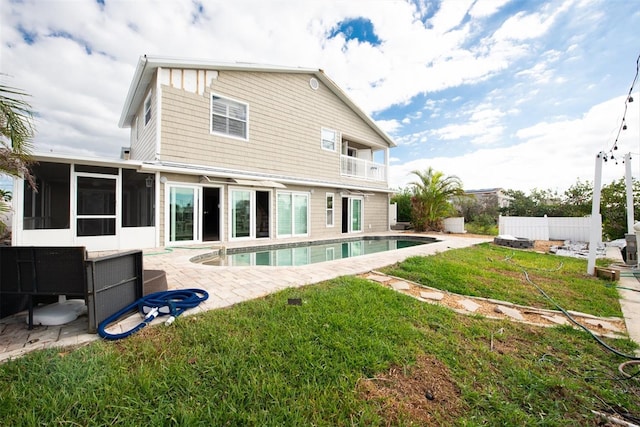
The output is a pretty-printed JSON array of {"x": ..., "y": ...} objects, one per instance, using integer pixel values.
[
  {"x": 454, "y": 225},
  {"x": 546, "y": 228}
]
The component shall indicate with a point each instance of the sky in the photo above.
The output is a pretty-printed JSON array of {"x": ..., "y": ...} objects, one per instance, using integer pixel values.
[{"x": 516, "y": 94}]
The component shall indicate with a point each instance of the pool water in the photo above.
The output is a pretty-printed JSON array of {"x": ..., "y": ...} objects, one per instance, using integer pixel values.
[{"x": 310, "y": 252}]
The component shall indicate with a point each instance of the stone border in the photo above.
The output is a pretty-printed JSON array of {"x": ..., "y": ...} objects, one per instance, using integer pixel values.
[{"x": 610, "y": 327}]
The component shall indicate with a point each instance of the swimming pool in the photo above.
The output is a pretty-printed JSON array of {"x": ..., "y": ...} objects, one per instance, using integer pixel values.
[{"x": 304, "y": 253}]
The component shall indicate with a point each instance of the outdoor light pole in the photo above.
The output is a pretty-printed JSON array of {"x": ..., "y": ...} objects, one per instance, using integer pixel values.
[
  {"x": 629, "y": 185},
  {"x": 596, "y": 222}
]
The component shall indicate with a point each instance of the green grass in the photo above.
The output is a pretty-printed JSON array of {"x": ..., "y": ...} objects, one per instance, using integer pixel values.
[
  {"x": 497, "y": 272},
  {"x": 267, "y": 363}
]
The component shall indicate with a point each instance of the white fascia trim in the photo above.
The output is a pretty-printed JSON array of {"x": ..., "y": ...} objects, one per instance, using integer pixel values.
[
  {"x": 158, "y": 113},
  {"x": 127, "y": 114},
  {"x": 86, "y": 160}
]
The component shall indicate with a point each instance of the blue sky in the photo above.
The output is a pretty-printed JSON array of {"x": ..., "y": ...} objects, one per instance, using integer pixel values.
[{"x": 516, "y": 94}]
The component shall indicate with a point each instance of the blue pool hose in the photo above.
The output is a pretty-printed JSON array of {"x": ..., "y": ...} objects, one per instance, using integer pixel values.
[{"x": 166, "y": 303}]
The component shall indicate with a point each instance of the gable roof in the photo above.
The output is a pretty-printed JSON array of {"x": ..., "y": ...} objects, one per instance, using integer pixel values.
[{"x": 147, "y": 66}]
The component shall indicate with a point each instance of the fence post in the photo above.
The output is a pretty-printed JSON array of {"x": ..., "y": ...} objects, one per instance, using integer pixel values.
[{"x": 595, "y": 234}]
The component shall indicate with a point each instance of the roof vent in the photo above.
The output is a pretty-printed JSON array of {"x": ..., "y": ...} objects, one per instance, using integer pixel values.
[{"x": 313, "y": 82}]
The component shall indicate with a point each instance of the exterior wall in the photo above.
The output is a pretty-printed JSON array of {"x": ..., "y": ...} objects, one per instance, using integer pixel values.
[
  {"x": 376, "y": 213},
  {"x": 318, "y": 218},
  {"x": 143, "y": 138},
  {"x": 375, "y": 207},
  {"x": 285, "y": 118}
]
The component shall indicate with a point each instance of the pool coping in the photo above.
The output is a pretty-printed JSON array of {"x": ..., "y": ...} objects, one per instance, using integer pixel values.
[{"x": 223, "y": 250}]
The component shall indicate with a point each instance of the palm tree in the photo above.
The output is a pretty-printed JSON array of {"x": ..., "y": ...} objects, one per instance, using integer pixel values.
[
  {"x": 431, "y": 201},
  {"x": 16, "y": 133}
]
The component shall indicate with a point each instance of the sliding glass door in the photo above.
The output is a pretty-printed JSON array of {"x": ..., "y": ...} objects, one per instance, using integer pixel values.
[
  {"x": 183, "y": 213},
  {"x": 293, "y": 214},
  {"x": 249, "y": 213},
  {"x": 240, "y": 213},
  {"x": 356, "y": 215}
]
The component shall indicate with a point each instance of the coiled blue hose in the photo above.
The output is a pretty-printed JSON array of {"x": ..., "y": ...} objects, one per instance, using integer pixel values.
[{"x": 166, "y": 303}]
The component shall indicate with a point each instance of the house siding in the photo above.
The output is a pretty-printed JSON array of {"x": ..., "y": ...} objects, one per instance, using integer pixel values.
[
  {"x": 285, "y": 118},
  {"x": 375, "y": 208},
  {"x": 143, "y": 146}
]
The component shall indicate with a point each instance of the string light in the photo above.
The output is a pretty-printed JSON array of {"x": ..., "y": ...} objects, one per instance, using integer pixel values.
[{"x": 623, "y": 125}]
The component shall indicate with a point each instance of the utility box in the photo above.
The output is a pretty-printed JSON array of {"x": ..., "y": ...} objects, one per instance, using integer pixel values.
[{"x": 631, "y": 257}]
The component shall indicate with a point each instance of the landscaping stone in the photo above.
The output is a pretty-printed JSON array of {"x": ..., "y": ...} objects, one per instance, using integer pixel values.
[
  {"x": 434, "y": 296},
  {"x": 497, "y": 301},
  {"x": 400, "y": 286},
  {"x": 559, "y": 320},
  {"x": 508, "y": 311},
  {"x": 469, "y": 305},
  {"x": 602, "y": 324},
  {"x": 378, "y": 278},
  {"x": 517, "y": 243}
]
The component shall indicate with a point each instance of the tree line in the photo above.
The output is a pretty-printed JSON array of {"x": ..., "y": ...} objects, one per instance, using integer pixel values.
[{"x": 426, "y": 202}]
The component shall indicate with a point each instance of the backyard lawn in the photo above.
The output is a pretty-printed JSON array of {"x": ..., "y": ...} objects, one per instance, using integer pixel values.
[{"x": 353, "y": 353}]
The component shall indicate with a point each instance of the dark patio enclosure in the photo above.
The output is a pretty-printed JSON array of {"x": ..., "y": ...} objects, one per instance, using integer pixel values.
[{"x": 32, "y": 274}]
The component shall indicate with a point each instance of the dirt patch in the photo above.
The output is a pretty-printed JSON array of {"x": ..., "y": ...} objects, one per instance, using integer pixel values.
[
  {"x": 423, "y": 394},
  {"x": 545, "y": 245}
]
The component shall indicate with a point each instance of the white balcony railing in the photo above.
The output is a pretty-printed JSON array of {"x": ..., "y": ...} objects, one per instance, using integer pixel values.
[{"x": 364, "y": 169}]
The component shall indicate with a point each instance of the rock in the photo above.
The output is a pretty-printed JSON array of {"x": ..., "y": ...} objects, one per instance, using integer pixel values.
[
  {"x": 378, "y": 278},
  {"x": 469, "y": 305},
  {"x": 509, "y": 311},
  {"x": 435, "y": 296},
  {"x": 560, "y": 320},
  {"x": 400, "y": 286}
]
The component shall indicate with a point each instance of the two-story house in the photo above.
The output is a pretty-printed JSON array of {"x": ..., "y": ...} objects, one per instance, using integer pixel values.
[{"x": 218, "y": 153}]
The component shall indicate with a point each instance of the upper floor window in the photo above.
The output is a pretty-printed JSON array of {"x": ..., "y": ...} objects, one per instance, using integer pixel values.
[
  {"x": 329, "y": 139},
  {"x": 228, "y": 117},
  {"x": 147, "y": 109}
]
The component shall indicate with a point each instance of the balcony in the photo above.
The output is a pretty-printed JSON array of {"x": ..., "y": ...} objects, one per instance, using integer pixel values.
[{"x": 363, "y": 169}]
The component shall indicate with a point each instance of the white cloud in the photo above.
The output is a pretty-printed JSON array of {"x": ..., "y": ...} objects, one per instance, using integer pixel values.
[
  {"x": 484, "y": 8},
  {"x": 482, "y": 125},
  {"x": 388, "y": 126},
  {"x": 549, "y": 156},
  {"x": 450, "y": 15}
]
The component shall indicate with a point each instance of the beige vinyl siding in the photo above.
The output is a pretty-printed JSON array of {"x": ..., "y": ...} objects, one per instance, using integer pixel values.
[
  {"x": 284, "y": 127},
  {"x": 376, "y": 213},
  {"x": 375, "y": 208},
  {"x": 144, "y": 147},
  {"x": 318, "y": 221}
]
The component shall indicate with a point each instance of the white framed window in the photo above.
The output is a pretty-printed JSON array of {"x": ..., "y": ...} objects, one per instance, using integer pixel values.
[
  {"x": 329, "y": 208},
  {"x": 229, "y": 117},
  {"x": 329, "y": 139},
  {"x": 147, "y": 109},
  {"x": 293, "y": 214}
]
